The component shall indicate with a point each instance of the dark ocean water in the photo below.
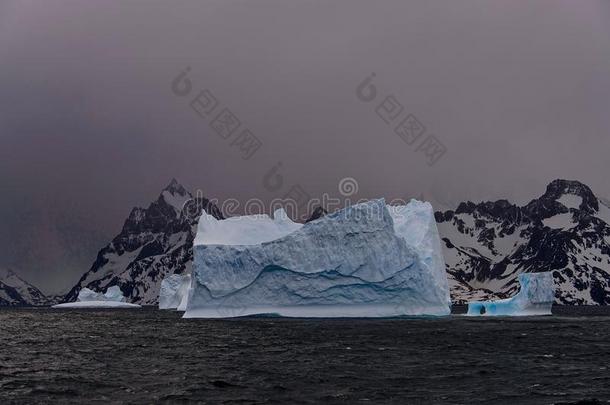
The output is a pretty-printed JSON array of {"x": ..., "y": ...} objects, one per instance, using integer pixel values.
[{"x": 148, "y": 356}]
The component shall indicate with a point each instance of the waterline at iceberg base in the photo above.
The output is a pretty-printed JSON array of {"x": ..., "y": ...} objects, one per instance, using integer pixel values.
[{"x": 367, "y": 260}]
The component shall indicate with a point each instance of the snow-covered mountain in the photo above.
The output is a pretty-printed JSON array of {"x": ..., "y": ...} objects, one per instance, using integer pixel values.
[
  {"x": 566, "y": 231},
  {"x": 15, "y": 291},
  {"x": 486, "y": 245},
  {"x": 154, "y": 242}
]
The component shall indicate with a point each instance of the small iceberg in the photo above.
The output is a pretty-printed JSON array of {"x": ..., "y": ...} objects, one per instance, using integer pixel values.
[
  {"x": 535, "y": 297},
  {"x": 174, "y": 292},
  {"x": 113, "y": 298}
]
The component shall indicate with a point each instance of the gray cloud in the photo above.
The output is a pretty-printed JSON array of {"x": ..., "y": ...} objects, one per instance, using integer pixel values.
[{"x": 89, "y": 126}]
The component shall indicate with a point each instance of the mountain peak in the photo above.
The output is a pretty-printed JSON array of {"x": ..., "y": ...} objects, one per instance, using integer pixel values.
[
  {"x": 563, "y": 186},
  {"x": 175, "y": 195},
  {"x": 487, "y": 245},
  {"x": 155, "y": 242},
  {"x": 559, "y": 188},
  {"x": 174, "y": 187},
  {"x": 14, "y": 290}
]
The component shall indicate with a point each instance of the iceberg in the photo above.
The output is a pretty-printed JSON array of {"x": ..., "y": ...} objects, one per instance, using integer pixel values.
[
  {"x": 96, "y": 304},
  {"x": 174, "y": 291},
  {"x": 113, "y": 298},
  {"x": 535, "y": 297},
  {"x": 367, "y": 260},
  {"x": 113, "y": 293},
  {"x": 89, "y": 295}
]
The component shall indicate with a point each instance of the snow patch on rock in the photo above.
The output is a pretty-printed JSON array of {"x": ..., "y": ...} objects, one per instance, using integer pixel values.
[
  {"x": 560, "y": 221},
  {"x": 570, "y": 201}
]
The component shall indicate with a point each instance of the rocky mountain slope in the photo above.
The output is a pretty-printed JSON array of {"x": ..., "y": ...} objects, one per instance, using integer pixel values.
[
  {"x": 486, "y": 245},
  {"x": 566, "y": 231},
  {"x": 154, "y": 242},
  {"x": 14, "y": 291}
]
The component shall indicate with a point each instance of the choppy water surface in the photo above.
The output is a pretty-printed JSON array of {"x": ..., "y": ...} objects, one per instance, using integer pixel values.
[{"x": 149, "y": 356}]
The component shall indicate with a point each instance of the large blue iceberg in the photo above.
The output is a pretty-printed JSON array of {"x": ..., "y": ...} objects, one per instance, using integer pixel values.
[
  {"x": 367, "y": 260},
  {"x": 535, "y": 297}
]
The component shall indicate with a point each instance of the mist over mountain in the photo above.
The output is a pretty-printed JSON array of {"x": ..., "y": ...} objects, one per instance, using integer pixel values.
[{"x": 48, "y": 244}]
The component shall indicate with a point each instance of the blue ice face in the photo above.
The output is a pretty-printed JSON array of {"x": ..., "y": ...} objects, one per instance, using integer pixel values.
[
  {"x": 365, "y": 261},
  {"x": 535, "y": 297}
]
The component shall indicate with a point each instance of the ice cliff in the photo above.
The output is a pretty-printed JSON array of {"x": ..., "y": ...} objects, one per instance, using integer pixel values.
[
  {"x": 174, "y": 291},
  {"x": 535, "y": 297},
  {"x": 367, "y": 260}
]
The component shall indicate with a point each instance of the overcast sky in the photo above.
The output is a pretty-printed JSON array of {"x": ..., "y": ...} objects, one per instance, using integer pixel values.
[{"x": 517, "y": 92}]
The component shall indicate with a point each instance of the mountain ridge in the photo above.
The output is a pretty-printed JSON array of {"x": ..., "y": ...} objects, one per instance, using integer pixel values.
[
  {"x": 153, "y": 242},
  {"x": 15, "y": 291},
  {"x": 486, "y": 245},
  {"x": 565, "y": 231}
]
